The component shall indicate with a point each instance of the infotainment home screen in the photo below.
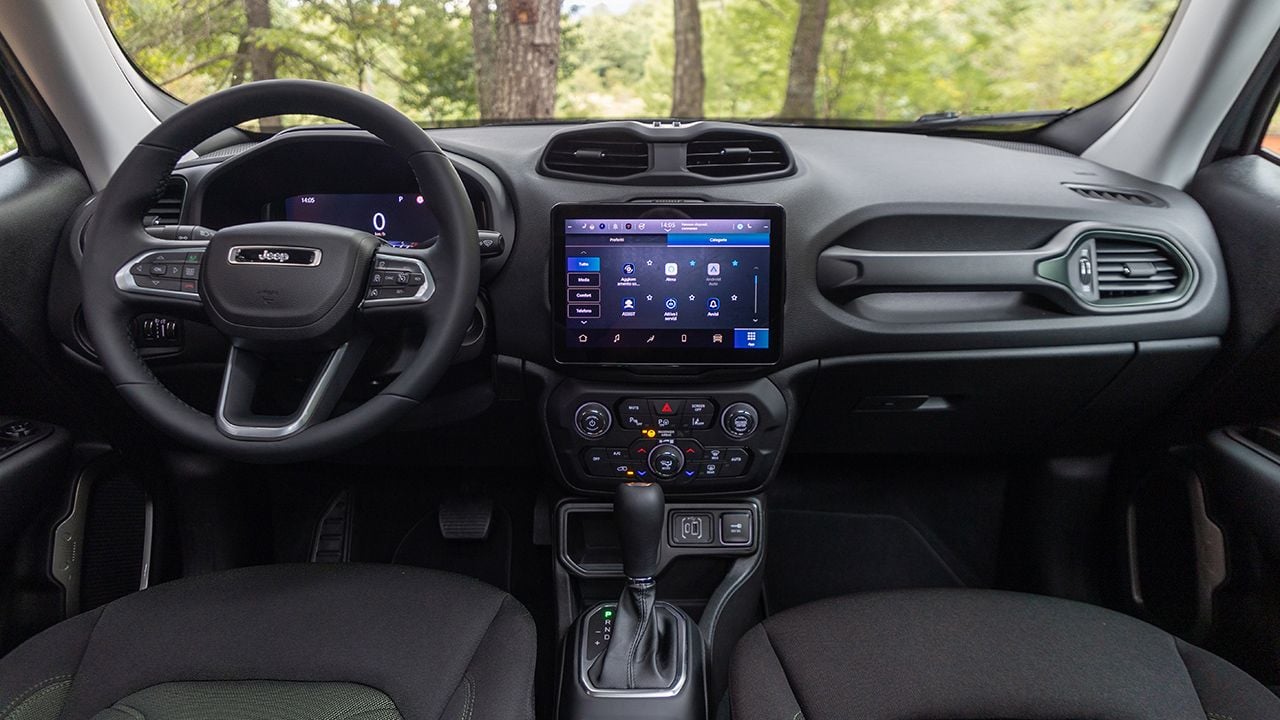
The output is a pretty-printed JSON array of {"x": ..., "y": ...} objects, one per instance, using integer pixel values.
[{"x": 650, "y": 287}]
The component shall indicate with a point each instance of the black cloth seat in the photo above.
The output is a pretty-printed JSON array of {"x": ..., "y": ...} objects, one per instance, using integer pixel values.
[
  {"x": 295, "y": 641},
  {"x": 966, "y": 654}
]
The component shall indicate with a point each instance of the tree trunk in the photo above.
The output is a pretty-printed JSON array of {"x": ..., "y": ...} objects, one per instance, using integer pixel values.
[
  {"x": 806, "y": 50},
  {"x": 689, "y": 83},
  {"x": 517, "y": 49},
  {"x": 261, "y": 59}
]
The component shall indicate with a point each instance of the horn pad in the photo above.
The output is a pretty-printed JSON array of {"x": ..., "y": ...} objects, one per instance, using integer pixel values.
[{"x": 286, "y": 282}]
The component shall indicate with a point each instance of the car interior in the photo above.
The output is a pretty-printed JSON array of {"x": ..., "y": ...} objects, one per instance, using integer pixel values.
[{"x": 670, "y": 417}]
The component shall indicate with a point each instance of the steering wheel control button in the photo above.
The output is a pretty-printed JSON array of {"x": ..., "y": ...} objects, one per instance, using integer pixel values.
[
  {"x": 735, "y": 528},
  {"x": 397, "y": 280},
  {"x": 592, "y": 420},
  {"x": 163, "y": 272},
  {"x": 691, "y": 528},
  {"x": 666, "y": 461},
  {"x": 739, "y": 420}
]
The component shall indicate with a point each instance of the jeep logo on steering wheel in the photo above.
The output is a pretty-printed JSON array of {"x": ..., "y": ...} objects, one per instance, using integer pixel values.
[{"x": 282, "y": 256}]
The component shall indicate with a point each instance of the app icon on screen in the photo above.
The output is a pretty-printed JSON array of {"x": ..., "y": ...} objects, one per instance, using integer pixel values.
[
  {"x": 629, "y": 269},
  {"x": 628, "y": 303},
  {"x": 713, "y": 268},
  {"x": 671, "y": 303},
  {"x": 672, "y": 269}
]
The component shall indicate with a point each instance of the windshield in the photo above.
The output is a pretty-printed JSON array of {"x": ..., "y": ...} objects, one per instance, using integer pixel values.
[{"x": 824, "y": 62}]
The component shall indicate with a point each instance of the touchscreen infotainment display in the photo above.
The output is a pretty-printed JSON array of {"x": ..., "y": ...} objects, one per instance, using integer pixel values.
[
  {"x": 404, "y": 221},
  {"x": 668, "y": 284}
]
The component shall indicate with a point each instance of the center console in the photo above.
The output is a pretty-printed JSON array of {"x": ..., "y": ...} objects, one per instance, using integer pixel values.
[{"x": 649, "y": 299}]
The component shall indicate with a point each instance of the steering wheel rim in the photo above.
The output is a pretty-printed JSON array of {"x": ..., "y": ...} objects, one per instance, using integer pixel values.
[{"x": 115, "y": 234}]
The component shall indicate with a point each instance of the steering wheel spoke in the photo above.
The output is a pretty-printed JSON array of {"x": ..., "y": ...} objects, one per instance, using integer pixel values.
[{"x": 243, "y": 377}]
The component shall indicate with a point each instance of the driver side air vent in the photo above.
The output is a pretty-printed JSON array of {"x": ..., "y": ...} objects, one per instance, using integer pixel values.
[
  {"x": 167, "y": 208},
  {"x": 596, "y": 154},
  {"x": 736, "y": 155},
  {"x": 1136, "y": 269}
]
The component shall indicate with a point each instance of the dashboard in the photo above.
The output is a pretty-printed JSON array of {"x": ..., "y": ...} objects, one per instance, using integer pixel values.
[{"x": 747, "y": 292}]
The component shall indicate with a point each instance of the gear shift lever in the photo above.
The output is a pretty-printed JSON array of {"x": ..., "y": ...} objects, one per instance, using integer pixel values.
[
  {"x": 642, "y": 652},
  {"x": 637, "y": 509}
]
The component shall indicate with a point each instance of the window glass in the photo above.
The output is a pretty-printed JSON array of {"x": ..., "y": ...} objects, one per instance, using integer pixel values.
[
  {"x": 831, "y": 62},
  {"x": 1271, "y": 141},
  {"x": 7, "y": 140}
]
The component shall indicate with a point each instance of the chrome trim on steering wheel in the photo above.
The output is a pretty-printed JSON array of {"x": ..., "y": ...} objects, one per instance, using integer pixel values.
[{"x": 301, "y": 419}]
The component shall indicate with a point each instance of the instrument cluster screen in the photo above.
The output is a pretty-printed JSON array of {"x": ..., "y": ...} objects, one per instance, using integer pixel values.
[{"x": 403, "y": 221}]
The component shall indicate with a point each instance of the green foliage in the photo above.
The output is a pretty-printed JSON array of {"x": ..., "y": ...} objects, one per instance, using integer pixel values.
[
  {"x": 890, "y": 60},
  {"x": 7, "y": 140}
]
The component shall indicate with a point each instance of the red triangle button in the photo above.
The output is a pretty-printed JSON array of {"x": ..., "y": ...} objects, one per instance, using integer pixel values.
[{"x": 666, "y": 409}]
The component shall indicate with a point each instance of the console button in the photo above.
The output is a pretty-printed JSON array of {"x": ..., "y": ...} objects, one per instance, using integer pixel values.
[
  {"x": 690, "y": 471},
  {"x": 699, "y": 406},
  {"x": 711, "y": 469},
  {"x": 715, "y": 454},
  {"x": 739, "y": 420},
  {"x": 735, "y": 461},
  {"x": 691, "y": 528},
  {"x": 666, "y": 461},
  {"x": 668, "y": 408},
  {"x": 697, "y": 422},
  {"x": 596, "y": 460},
  {"x": 692, "y": 449},
  {"x": 634, "y": 414},
  {"x": 735, "y": 528},
  {"x": 640, "y": 448},
  {"x": 592, "y": 420},
  {"x": 664, "y": 423}
]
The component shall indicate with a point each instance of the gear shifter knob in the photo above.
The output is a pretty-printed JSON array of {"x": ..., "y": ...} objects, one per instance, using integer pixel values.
[{"x": 638, "y": 508}]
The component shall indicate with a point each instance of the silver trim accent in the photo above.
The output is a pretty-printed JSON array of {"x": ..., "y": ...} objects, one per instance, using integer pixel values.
[
  {"x": 423, "y": 294},
  {"x": 682, "y": 673},
  {"x": 231, "y": 256},
  {"x": 127, "y": 282},
  {"x": 303, "y": 416}
]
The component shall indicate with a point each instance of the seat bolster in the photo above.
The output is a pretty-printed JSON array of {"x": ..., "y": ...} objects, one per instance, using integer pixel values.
[
  {"x": 758, "y": 685},
  {"x": 47, "y": 659},
  {"x": 1225, "y": 690},
  {"x": 489, "y": 688}
]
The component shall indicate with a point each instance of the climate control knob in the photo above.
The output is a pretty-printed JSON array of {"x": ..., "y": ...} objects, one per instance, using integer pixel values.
[
  {"x": 592, "y": 420},
  {"x": 666, "y": 461},
  {"x": 739, "y": 420}
]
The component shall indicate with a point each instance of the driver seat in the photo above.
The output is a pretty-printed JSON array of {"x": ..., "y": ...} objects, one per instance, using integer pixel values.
[{"x": 295, "y": 642}]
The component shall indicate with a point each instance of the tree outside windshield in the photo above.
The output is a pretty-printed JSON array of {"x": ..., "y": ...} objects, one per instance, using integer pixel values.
[{"x": 819, "y": 61}]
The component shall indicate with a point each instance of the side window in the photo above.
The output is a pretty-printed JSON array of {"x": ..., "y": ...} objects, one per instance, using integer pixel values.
[
  {"x": 1271, "y": 140},
  {"x": 8, "y": 142}
]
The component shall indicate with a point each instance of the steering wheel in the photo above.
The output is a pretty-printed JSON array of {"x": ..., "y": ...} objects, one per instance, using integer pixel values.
[{"x": 278, "y": 287}]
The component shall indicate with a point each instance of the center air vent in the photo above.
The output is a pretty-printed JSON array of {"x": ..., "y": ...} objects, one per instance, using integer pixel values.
[
  {"x": 596, "y": 154},
  {"x": 1136, "y": 269},
  {"x": 167, "y": 208},
  {"x": 735, "y": 155}
]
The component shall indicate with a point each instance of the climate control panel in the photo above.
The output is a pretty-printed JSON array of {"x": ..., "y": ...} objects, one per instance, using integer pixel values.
[{"x": 718, "y": 439}]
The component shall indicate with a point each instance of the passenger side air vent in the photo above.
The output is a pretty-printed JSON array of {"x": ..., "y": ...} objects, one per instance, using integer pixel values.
[
  {"x": 736, "y": 155},
  {"x": 1122, "y": 270},
  {"x": 596, "y": 154},
  {"x": 1108, "y": 194},
  {"x": 167, "y": 208},
  {"x": 1136, "y": 269}
]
